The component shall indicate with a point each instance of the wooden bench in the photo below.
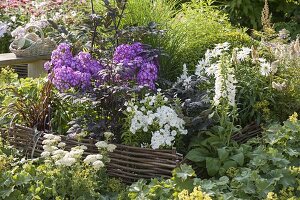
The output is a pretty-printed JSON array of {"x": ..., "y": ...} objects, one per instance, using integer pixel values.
[{"x": 35, "y": 63}]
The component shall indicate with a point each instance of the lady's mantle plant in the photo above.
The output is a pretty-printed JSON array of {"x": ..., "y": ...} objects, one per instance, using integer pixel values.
[
  {"x": 152, "y": 122},
  {"x": 58, "y": 174}
]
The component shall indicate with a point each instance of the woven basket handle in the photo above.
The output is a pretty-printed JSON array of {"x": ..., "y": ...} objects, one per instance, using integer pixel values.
[{"x": 39, "y": 29}]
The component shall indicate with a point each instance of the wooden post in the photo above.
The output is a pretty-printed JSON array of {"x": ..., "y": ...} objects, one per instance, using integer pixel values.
[{"x": 36, "y": 69}]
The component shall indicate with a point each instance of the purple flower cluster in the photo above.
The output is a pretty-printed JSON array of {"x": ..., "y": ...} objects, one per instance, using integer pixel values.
[
  {"x": 137, "y": 65},
  {"x": 81, "y": 71},
  {"x": 69, "y": 71}
]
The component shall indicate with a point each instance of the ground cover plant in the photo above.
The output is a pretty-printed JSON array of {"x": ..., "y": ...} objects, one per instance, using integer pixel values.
[{"x": 160, "y": 75}]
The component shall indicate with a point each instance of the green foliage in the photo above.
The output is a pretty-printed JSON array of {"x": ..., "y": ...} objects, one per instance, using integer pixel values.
[
  {"x": 28, "y": 181},
  {"x": 248, "y": 13},
  {"x": 142, "y": 12},
  {"x": 69, "y": 107},
  {"x": 197, "y": 27},
  {"x": 25, "y": 101},
  {"x": 270, "y": 169},
  {"x": 45, "y": 178},
  {"x": 5, "y": 42},
  {"x": 211, "y": 154},
  {"x": 188, "y": 31},
  {"x": 165, "y": 189}
]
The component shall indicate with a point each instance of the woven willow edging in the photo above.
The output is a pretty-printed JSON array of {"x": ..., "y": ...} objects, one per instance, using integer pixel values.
[{"x": 126, "y": 162}]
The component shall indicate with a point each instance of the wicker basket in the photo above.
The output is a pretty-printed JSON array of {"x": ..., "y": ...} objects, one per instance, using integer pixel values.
[
  {"x": 127, "y": 163},
  {"x": 40, "y": 46}
]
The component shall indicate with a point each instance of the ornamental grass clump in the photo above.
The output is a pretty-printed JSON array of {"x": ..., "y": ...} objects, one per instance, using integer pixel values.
[{"x": 151, "y": 122}]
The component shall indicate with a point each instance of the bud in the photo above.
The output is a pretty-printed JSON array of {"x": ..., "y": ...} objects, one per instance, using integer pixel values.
[
  {"x": 296, "y": 46},
  {"x": 254, "y": 54},
  {"x": 234, "y": 56},
  {"x": 274, "y": 66},
  {"x": 279, "y": 86}
]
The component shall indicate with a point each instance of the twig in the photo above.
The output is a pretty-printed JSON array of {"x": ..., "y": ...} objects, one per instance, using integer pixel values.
[
  {"x": 94, "y": 28},
  {"x": 119, "y": 22}
]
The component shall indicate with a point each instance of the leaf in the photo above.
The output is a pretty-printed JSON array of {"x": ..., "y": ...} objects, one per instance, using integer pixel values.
[
  {"x": 223, "y": 154},
  {"x": 212, "y": 166},
  {"x": 184, "y": 171},
  {"x": 197, "y": 155},
  {"x": 229, "y": 163},
  {"x": 239, "y": 158},
  {"x": 223, "y": 180},
  {"x": 7, "y": 192}
]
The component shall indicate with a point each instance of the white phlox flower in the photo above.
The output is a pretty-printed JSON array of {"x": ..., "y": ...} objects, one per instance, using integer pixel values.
[{"x": 170, "y": 124}]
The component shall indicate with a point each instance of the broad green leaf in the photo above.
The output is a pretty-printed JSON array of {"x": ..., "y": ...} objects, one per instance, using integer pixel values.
[
  {"x": 197, "y": 155},
  {"x": 212, "y": 166},
  {"x": 229, "y": 163},
  {"x": 239, "y": 158},
  {"x": 223, "y": 154}
]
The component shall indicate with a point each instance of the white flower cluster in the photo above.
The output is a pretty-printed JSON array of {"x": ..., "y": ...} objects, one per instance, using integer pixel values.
[
  {"x": 94, "y": 160},
  {"x": 212, "y": 65},
  {"x": 53, "y": 151},
  {"x": 185, "y": 78},
  {"x": 104, "y": 145},
  {"x": 224, "y": 85},
  {"x": 162, "y": 121},
  {"x": 3, "y": 29},
  {"x": 209, "y": 63},
  {"x": 243, "y": 54}
]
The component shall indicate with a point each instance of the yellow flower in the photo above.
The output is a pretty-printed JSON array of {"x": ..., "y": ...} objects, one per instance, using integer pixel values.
[
  {"x": 197, "y": 194},
  {"x": 271, "y": 196},
  {"x": 183, "y": 195},
  {"x": 294, "y": 117}
]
